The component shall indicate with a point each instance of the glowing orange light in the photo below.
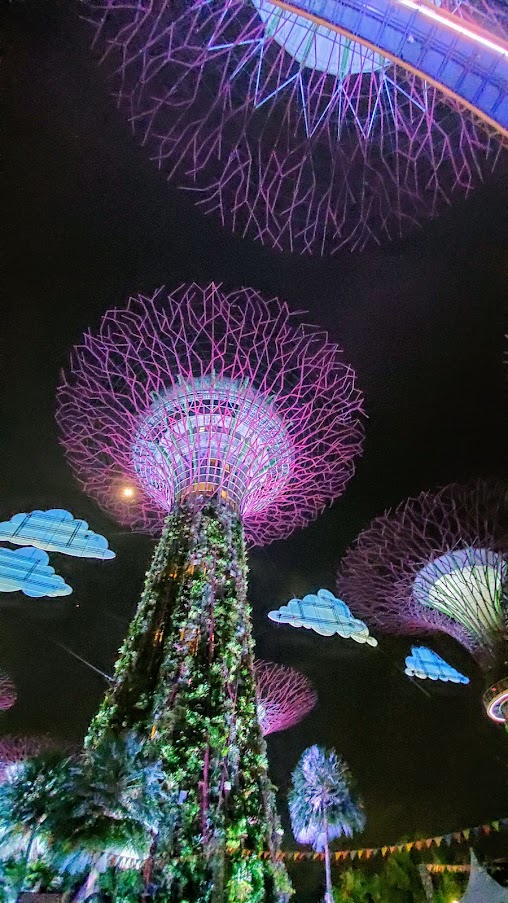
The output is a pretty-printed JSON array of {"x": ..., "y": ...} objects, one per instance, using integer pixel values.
[{"x": 128, "y": 492}]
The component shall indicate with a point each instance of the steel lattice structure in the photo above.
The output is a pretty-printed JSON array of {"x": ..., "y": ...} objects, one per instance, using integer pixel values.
[
  {"x": 8, "y": 692},
  {"x": 222, "y": 414},
  {"x": 285, "y": 696},
  {"x": 198, "y": 392},
  {"x": 439, "y": 562},
  {"x": 288, "y": 131}
]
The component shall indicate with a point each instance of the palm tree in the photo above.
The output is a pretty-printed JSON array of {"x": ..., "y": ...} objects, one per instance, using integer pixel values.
[
  {"x": 115, "y": 802},
  {"x": 322, "y": 803},
  {"x": 107, "y": 800},
  {"x": 114, "y": 784}
]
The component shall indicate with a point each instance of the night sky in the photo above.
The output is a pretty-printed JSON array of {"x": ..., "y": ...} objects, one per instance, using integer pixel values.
[{"x": 88, "y": 220}]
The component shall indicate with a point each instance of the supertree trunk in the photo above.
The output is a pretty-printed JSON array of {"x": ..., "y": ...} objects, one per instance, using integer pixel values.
[{"x": 185, "y": 680}]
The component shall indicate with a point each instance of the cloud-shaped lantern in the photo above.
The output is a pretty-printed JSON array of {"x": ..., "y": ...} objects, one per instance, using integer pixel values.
[
  {"x": 55, "y": 530},
  {"x": 424, "y": 663},
  {"x": 28, "y": 570},
  {"x": 324, "y": 614}
]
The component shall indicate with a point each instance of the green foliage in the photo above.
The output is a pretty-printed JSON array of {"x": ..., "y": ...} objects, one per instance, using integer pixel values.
[
  {"x": 16, "y": 874},
  {"x": 402, "y": 878},
  {"x": 185, "y": 681},
  {"x": 29, "y": 796},
  {"x": 113, "y": 797},
  {"x": 354, "y": 886},
  {"x": 398, "y": 880},
  {"x": 322, "y": 800},
  {"x": 448, "y": 887},
  {"x": 109, "y": 799},
  {"x": 121, "y": 886}
]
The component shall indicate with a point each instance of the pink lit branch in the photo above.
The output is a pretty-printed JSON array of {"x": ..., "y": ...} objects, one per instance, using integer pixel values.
[
  {"x": 206, "y": 392},
  {"x": 8, "y": 693},
  {"x": 437, "y": 562},
  {"x": 285, "y": 696},
  {"x": 230, "y": 103}
]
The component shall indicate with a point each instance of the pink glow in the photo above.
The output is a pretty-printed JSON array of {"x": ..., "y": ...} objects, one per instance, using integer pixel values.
[
  {"x": 202, "y": 392},
  {"x": 8, "y": 693},
  {"x": 285, "y": 696},
  {"x": 309, "y": 161}
]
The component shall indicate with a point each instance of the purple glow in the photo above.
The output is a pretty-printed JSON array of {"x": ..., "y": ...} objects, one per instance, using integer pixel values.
[
  {"x": 285, "y": 696},
  {"x": 8, "y": 692},
  {"x": 199, "y": 393},
  {"x": 437, "y": 562},
  {"x": 287, "y": 131}
]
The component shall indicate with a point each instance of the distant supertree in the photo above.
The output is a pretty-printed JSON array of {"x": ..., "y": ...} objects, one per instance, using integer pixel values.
[
  {"x": 225, "y": 412},
  {"x": 288, "y": 131},
  {"x": 439, "y": 562},
  {"x": 15, "y": 750},
  {"x": 285, "y": 696},
  {"x": 8, "y": 692}
]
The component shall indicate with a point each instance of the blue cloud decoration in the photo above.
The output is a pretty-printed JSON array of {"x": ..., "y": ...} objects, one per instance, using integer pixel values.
[
  {"x": 28, "y": 570},
  {"x": 324, "y": 614},
  {"x": 55, "y": 530},
  {"x": 424, "y": 663}
]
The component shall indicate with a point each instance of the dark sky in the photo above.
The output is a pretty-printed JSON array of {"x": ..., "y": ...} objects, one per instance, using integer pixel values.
[{"x": 88, "y": 220}]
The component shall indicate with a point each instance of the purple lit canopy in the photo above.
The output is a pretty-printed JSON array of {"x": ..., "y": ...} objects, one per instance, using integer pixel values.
[
  {"x": 286, "y": 130},
  {"x": 198, "y": 392},
  {"x": 285, "y": 696},
  {"x": 438, "y": 563}
]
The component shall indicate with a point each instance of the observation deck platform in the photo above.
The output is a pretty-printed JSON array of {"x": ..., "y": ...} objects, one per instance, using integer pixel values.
[{"x": 465, "y": 62}]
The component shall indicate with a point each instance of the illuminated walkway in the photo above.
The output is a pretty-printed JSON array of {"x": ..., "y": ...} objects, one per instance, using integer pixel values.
[{"x": 465, "y": 62}]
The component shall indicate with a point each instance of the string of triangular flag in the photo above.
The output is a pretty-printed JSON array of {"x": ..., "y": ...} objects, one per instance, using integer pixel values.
[{"x": 463, "y": 836}]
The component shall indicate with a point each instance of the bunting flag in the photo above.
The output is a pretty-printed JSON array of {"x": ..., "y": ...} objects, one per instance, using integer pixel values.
[
  {"x": 435, "y": 868},
  {"x": 363, "y": 853},
  {"x": 423, "y": 843}
]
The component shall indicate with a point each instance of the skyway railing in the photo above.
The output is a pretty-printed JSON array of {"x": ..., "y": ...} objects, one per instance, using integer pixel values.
[{"x": 464, "y": 61}]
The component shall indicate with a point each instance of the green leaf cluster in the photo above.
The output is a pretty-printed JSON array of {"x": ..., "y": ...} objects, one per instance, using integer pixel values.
[
  {"x": 398, "y": 881},
  {"x": 185, "y": 681}
]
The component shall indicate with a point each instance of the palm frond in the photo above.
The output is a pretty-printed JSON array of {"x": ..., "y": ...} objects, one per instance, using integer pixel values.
[{"x": 322, "y": 794}]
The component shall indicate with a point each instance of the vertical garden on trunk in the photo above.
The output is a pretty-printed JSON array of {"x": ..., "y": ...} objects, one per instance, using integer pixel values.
[{"x": 185, "y": 680}]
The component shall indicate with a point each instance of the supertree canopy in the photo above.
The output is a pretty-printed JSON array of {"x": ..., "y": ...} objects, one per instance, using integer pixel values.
[
  {"x": 225, "y": 412},
  {"x": 439, "y": 563},
  {"x": 285, "y": 696},
  {"x": 288, "y": 131},
  {"x": 8, "y": 693}
]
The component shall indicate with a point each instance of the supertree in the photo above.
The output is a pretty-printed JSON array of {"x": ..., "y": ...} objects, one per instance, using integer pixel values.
[
  {"x": 231, "y": 415},
  {"x": 288, "y": 131},
  {"x": 438, "y": 562},
  {"x": 285, "y": 696},
  {"x": 8, "y": 692}
]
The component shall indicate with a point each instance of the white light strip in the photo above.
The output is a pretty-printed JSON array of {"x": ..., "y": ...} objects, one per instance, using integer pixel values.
[{"x": 455, "y": 26}]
